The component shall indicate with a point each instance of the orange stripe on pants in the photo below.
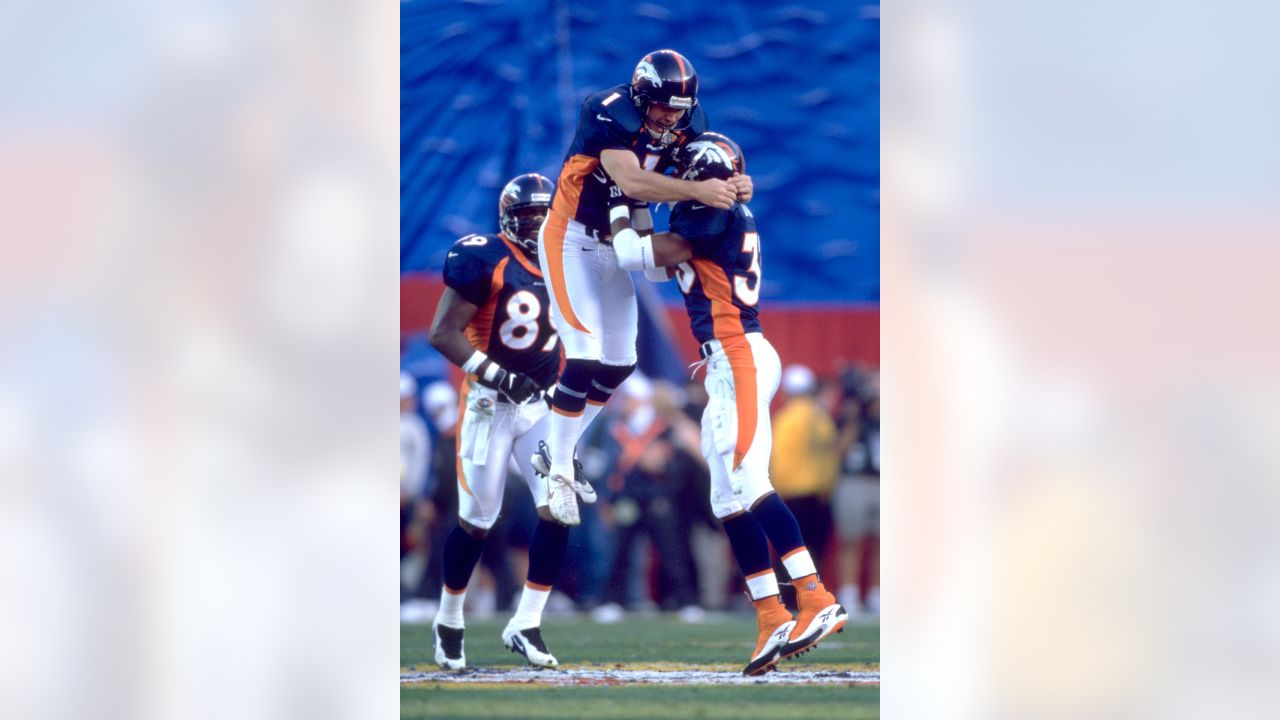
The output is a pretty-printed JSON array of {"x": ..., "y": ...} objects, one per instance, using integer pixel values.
[
  {"x": 553, "y": 242},
  {"x": 743, "y": 364}
]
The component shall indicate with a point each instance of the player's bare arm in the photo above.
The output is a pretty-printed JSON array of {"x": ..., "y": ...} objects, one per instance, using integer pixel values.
[
  {"x": 641, "y": 184},
  {"x": 453, "y": 314},
  {"x": 641, "y": 220}
]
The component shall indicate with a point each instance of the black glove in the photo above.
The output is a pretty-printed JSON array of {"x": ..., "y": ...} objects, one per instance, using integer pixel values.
[
  {"x": 514, "y": 387},
  {"x": 518, "y": 387}
]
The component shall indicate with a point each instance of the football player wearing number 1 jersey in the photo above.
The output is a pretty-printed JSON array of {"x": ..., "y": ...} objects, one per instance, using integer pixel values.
[
  {"x": 620, "y": 150},
  {"x": 716, "y": 257},
  {"x": 493, "y": 321}
]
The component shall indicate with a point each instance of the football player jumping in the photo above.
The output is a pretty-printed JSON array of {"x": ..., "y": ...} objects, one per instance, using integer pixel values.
[
  {"x": 492, "y": 321},
  {"x": 716, "y": 258},
  {"x": 623, "y": 144}
]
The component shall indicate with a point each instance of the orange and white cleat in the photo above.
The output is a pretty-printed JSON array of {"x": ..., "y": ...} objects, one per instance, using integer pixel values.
[
  {"x": 775, "y": 624},
  {"x": 820, "y": 615}
]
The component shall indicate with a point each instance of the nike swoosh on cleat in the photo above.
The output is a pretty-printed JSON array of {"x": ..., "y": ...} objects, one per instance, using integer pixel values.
[{"x": 601, "y": 117}]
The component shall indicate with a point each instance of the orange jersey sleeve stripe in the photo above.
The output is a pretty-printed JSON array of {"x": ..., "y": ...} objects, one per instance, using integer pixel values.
[
  {"x": 726, "y": 319},
  {"x": 569, "y": 187},
  {"x": 553, "y": 248},
  {"x": 482, "y": 324},
  {"x": 519, "y": 255}
]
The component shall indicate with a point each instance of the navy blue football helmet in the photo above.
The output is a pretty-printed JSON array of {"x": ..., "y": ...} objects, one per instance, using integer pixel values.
[
  {"x": 709, "y": 155},
  {"x": 522, "y": 192},
  {"x": 667, "y": 77}
]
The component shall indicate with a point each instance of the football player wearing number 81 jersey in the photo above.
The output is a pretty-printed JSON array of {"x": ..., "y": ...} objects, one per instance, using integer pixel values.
[
  {"x": 493, "y": 321},
  {"x": 716, "y": 258}
]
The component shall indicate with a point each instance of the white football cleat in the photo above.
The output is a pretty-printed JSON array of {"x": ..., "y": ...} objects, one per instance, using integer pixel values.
[
  {"x": 449, "y": 653},
  {"x": 541, "y": 462},
  {"x": 562, "y": 501},
  {"x": 528, "y": 642}
]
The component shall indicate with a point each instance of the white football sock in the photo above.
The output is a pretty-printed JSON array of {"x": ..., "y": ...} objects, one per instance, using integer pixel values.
[
  {"x": 451, "y": 608},
  {"x": 561, "y": 439},
  {"x": 589, "y": 413},
  {"x": 799, "y": 563},
  {"x": 529, "y": 611}
]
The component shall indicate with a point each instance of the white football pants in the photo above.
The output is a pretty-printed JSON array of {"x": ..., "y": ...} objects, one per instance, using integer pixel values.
[
  {"x": 593, "y": 301},
  {"x": 491, "y": 433},
  {"x": 742, "y": 377}
]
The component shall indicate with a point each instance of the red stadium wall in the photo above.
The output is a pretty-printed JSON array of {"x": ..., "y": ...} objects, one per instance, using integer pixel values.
[{"x": 816, "y": 335}]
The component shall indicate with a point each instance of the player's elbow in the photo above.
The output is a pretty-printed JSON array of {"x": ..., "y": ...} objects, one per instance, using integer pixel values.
[
  {"x": 439, "y": 337},
  {"x": 634, "y": 252}
]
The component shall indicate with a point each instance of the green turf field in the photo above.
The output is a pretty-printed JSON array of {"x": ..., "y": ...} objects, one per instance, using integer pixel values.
[{"x": 717, "y": 644}]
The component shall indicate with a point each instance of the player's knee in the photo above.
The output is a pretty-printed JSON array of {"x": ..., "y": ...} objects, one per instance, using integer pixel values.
[
  {"x": 619, "y": 365},
  {"x": 756, "y": 496},
  {"x": 477, "y": 528},
  {"x": 575, "y": 382},
  {"x": 725, "y": 506},
  {"x": 611, "y": 375}
]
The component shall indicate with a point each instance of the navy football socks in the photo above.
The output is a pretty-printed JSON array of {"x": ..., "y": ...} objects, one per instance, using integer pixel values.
[{"x": 461, "y": 553}]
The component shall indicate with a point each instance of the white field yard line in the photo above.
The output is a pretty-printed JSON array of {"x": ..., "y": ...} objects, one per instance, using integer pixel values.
[{"x": 579, "y": 676}]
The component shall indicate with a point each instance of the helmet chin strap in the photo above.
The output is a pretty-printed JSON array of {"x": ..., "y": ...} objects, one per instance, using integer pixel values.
[{"x": 663, "y": 137}]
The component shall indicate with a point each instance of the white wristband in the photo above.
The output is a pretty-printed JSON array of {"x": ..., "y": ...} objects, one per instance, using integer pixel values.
[
  {"x": 657, "y": 274},
  {"x": 621, "y": 212},
  {"x": 634, "y": 252},
  {"x": 473, "y": 363}
]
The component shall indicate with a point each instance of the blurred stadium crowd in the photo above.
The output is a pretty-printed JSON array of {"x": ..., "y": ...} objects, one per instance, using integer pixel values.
[{"x": 651, "y": 543}]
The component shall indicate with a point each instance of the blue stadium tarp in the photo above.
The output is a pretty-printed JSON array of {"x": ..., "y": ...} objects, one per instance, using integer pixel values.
[{"x": 491, "y": 89}]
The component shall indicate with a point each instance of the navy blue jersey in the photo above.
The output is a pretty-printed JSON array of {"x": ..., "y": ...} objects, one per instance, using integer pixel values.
[
  {"x": 609, "y": 120},
  {"x": 513, "y": 325},
  {"x": 721, "y": 282}
]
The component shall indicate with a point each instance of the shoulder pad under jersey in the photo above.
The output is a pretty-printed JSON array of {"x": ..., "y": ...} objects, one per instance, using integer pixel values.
[{"x": 615, "y": 103}]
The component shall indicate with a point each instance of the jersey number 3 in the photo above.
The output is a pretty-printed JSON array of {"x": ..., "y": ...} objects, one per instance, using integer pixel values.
[{"x": 747, "y": 288}]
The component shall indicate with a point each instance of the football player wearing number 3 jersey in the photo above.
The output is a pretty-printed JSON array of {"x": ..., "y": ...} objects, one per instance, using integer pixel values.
[
  {"x": 623, "y": 143},
  {"x": 493, "y": 322},
  {"x": 716, "y": 257}
]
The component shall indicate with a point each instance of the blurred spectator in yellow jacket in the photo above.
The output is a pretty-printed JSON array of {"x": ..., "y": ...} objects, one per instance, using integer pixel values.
[{"x": 805, "y": 463}]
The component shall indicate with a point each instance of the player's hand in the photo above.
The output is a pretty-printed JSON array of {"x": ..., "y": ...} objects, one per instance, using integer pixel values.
[
  {"x": 513, "y": 386},
  {"x": 743, "y": 185},
  {"x": 717, "y": 193},
  {"x": 517, "y": 387}
]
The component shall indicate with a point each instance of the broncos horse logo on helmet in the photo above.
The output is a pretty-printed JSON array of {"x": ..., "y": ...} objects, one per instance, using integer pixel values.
[
  {"x": 667, "y": 77},
  {"x": 709, "y": 155},
  {"x": 522, "y": 207}
]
